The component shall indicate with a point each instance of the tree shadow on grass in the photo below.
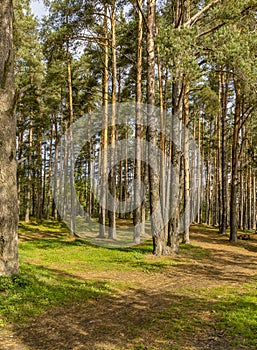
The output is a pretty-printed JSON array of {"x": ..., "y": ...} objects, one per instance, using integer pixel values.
[
  {"x": 141, "y": 319},
  {"x": 37, "y": 288},
  {"x": 52, "y": 242},
  {"x": 225, "y": 266},
  {"x": 44, "y": 226},
  {"x": 154, "y": 317}
]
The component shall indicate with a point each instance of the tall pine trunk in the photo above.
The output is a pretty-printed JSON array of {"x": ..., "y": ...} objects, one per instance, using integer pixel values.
[
  {"x": 234, "y": 163},
  {"x": 175, "y": 186},
  {"x": 104, "y": 136},
  {"x": 54, "y": 208},
  {"x": 48, "y": 184},
  {"x": 137, "y": 213},
  {"x": 72, "y": 210},
  {"x": 29, "y": 178},
  {"x": 186, "y": 223},
  {"x": 186, "y": 91},
  {"x": 9, "y": 211},
  {"x": 224, "y": 93},
  {"x": 112, "y": 204},
  {"x": 254, "y": 200},
  {"x": 159, "y": 241},
  {"x": 177, "y": 114}
]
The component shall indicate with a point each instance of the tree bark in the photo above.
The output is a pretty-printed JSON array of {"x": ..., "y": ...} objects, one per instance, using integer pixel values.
[
  {"x": 104, "y": 136},
  {"x": 72, "y": 210},
  {"x": 218, "y": 155},
  {"x": 175, "y": 186},
  {"x": 234, "y": 168},
  {"x": 159, "y": 243},
  {"x": 254, "y": 200},
  {"x": 177, "y": 115},
  {"x": 39, "y": 174},
  {"x": 28, "y": 194},
  {"x": 137, "y": 213},
  {"x": 112, "y": 204},
  {"x": 20, "y": 166},
  {"x": 186, "y": 239},
  {"x": 54, "y": 208},
  {"x": 199, "y": 165},
  {"x": 9, "y": 211},
  {"x": 50, "y": 163},
  {"x": 224, "y": 93}
]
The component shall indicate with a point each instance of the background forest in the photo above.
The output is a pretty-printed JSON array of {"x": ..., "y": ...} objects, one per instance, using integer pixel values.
[{"x": 194, "y": 60}]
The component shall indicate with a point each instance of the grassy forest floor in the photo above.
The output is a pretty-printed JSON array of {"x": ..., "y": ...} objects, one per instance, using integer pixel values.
[{"x": 71, "y": 295}]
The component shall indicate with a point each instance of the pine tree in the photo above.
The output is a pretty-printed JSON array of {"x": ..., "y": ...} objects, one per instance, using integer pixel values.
[{"x": 8, "y": 183}]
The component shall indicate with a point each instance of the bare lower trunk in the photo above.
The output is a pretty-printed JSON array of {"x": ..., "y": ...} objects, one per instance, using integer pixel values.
[
  {"x": 199, "y": 178},
  {"x": 9, "y": 210},
  {"x": 163, "y": 170},
  {"x": 233, "y": 186},
  {"x": 175, "y": 188},
  {"x": 159, "y": 240},
  {"x": 254, "y": 200},
  {"x": 249, "y": 195},
  {"x": 186, "y": 239},
  {"x": 137, "y": 214},
  {"x": 104, "y": 136},
  {"x": 72, "y": 210},
  {"x": 48, "y": 185},
  {"x": 224, "y": 89},
  {"x": 112, "y": 202},
  {"x": 20, "y": 152},
  {"x": 54, "y": 208},
  {"x": 218, "y": 156},
  {"x": 28, "y": 194}
]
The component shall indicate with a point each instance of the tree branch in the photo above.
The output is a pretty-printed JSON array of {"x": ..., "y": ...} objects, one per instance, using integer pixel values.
[
  {"x": 142, "y": 13},
  {"x": 196, "y": 17},
  {"x": 89, "y": 38},
  {"x": 211, "y": 29}
]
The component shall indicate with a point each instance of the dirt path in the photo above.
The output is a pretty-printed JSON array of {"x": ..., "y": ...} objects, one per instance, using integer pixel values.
[{"x": 127, "y": 320}]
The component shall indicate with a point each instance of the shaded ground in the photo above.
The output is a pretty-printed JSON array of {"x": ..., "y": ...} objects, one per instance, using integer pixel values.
[{"x": 137, "y": 318}]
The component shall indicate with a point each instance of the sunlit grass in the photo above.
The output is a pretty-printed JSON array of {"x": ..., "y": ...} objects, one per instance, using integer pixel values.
[
  {"x": 38, "y": 288},
  {"x": 237, "y": 312},
  {"x": 54, "y": 267},
  {"x": 54, "y": 271}
]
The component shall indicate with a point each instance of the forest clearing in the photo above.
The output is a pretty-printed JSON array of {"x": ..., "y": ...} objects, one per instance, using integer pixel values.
[
  {"x": 128, "y": 192},
  {"x": 72, "y": 295}
]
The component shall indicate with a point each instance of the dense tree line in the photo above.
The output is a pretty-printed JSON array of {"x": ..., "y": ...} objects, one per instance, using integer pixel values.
[{"x": 194, "y": 60}]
